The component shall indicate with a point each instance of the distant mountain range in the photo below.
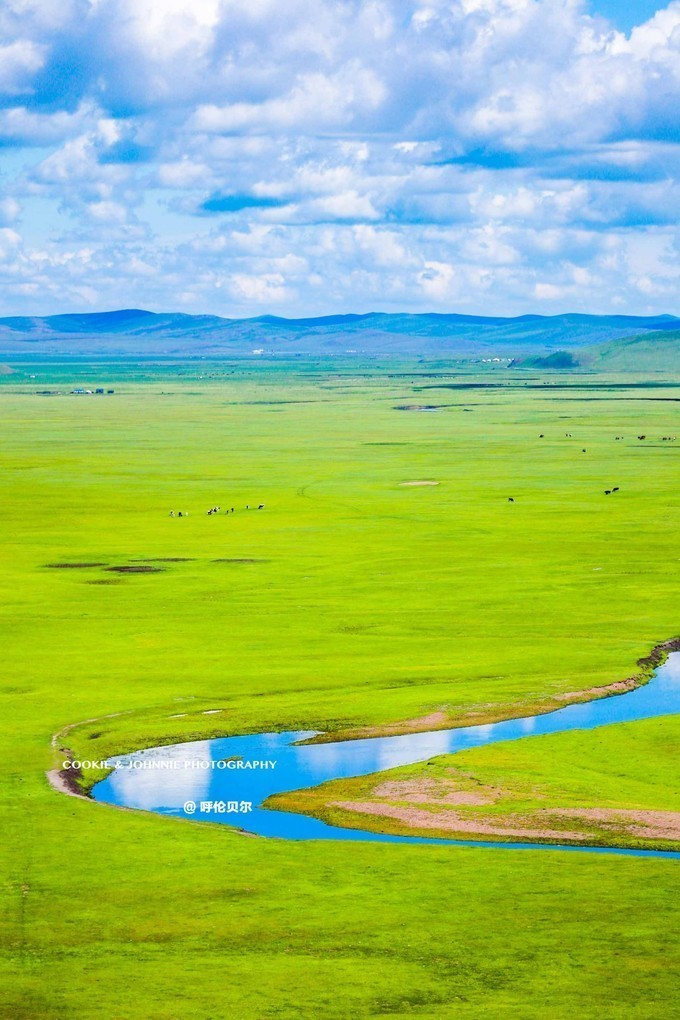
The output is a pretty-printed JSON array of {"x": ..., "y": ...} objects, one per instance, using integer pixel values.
[{"x": 134, "y": 331}]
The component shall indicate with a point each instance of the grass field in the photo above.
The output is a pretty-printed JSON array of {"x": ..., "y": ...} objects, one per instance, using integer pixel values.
[{"x": 353, "y": 600}]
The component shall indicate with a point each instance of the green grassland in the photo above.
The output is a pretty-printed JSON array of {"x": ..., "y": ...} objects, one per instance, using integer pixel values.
[
  {"x": 350, "y": 601},
  {"x": 614, "y": 785}
]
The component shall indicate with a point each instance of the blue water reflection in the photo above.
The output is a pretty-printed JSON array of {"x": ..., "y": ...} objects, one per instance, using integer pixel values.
[{"x": 164, "y": 779}]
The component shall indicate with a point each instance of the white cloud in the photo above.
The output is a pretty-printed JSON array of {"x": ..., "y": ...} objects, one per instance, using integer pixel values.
[
  {"x": 269, "y": 288},
  {"x": 18, "y": 62},
  {"x": 184, "y": 173},
  {"x": 548, "y": 291},
  {"x": 10, "y": 210},
  {"x": 24, "y": 127},
  {"x": 347, "y": 205},
  {"x": 344, "y": 151},
  {"x": 437, "y": 281}
]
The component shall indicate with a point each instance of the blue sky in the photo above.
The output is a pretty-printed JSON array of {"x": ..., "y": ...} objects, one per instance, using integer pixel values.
[
  {"x": 243, "y": 157},
  {"x": 625, "y": 14}
]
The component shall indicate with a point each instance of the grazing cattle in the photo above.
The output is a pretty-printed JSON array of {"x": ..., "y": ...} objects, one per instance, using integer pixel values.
[
  {"x": 510, "y": 499},
  {"x": 615, "y": 489},
  {"x": 541, "y": 436},
  {"x": 583, "y": 451},
  {"x": 172, "y": 513},
  {"x": 642, "y": 437},
  {"x": 607, "y": 492},
  {"x": 261, "y": 506}
]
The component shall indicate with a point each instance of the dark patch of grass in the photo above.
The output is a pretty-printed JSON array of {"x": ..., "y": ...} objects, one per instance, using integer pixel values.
[
  {"x": 167, "y": 559},
  {"x": 242, "y": 559},
  {"x": 136, "y": 568},
  {"x": 419, "y": 407},
  {"x": 73, "y": 566}
]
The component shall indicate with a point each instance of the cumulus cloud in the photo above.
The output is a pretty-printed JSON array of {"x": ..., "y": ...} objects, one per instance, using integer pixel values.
[
  {"x": 10, "y": 210},
  {"x": 338, "y": 154}
]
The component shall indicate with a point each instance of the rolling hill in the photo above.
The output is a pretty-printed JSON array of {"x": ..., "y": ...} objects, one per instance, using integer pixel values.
[
  {"x": 650, "y": 352},
  {"x": 139, "y": 332}
]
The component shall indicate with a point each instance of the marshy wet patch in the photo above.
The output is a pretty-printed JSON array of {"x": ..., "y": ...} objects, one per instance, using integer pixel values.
[
  {"x": 419, "y": 407},
  {"x": 239, "y": 559},
  {"x": 270, "y": 403},
  {"x": 166, "y": 559},
  {"x": 73, "y": 566},
  {"x": 136, "y": 568},
  {"x": 587, "y": 400}
]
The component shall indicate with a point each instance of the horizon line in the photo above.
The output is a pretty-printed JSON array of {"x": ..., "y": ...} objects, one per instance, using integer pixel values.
[{"x": 269, "y": 317}]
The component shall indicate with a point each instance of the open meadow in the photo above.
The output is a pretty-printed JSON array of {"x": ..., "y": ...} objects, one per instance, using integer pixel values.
[{"x": 435, "y": 548}]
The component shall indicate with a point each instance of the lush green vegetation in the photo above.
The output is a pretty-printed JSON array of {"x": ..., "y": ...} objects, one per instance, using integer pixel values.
[{"x": 352, "y": 600}]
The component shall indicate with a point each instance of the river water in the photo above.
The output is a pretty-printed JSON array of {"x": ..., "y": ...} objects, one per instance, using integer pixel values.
[{"x": 220, "y": 778}]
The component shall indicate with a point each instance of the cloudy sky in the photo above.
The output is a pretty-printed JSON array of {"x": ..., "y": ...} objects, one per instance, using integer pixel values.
[{"x": 300, "y": 157}]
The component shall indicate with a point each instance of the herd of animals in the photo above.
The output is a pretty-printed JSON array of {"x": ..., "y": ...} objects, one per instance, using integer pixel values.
[
  {"x": 214, "y": 510},
  {"x": 511, "y": 499},
  {"x": 607, "y": 492}
]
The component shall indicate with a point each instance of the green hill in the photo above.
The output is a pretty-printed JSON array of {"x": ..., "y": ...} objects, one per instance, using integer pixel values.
[
  {"x": 556, "y": 360},
  {"x": 651, "y": 352}
]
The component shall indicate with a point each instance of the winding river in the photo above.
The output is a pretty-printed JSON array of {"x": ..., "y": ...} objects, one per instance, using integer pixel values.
[{"x": 183, "y": 779}]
